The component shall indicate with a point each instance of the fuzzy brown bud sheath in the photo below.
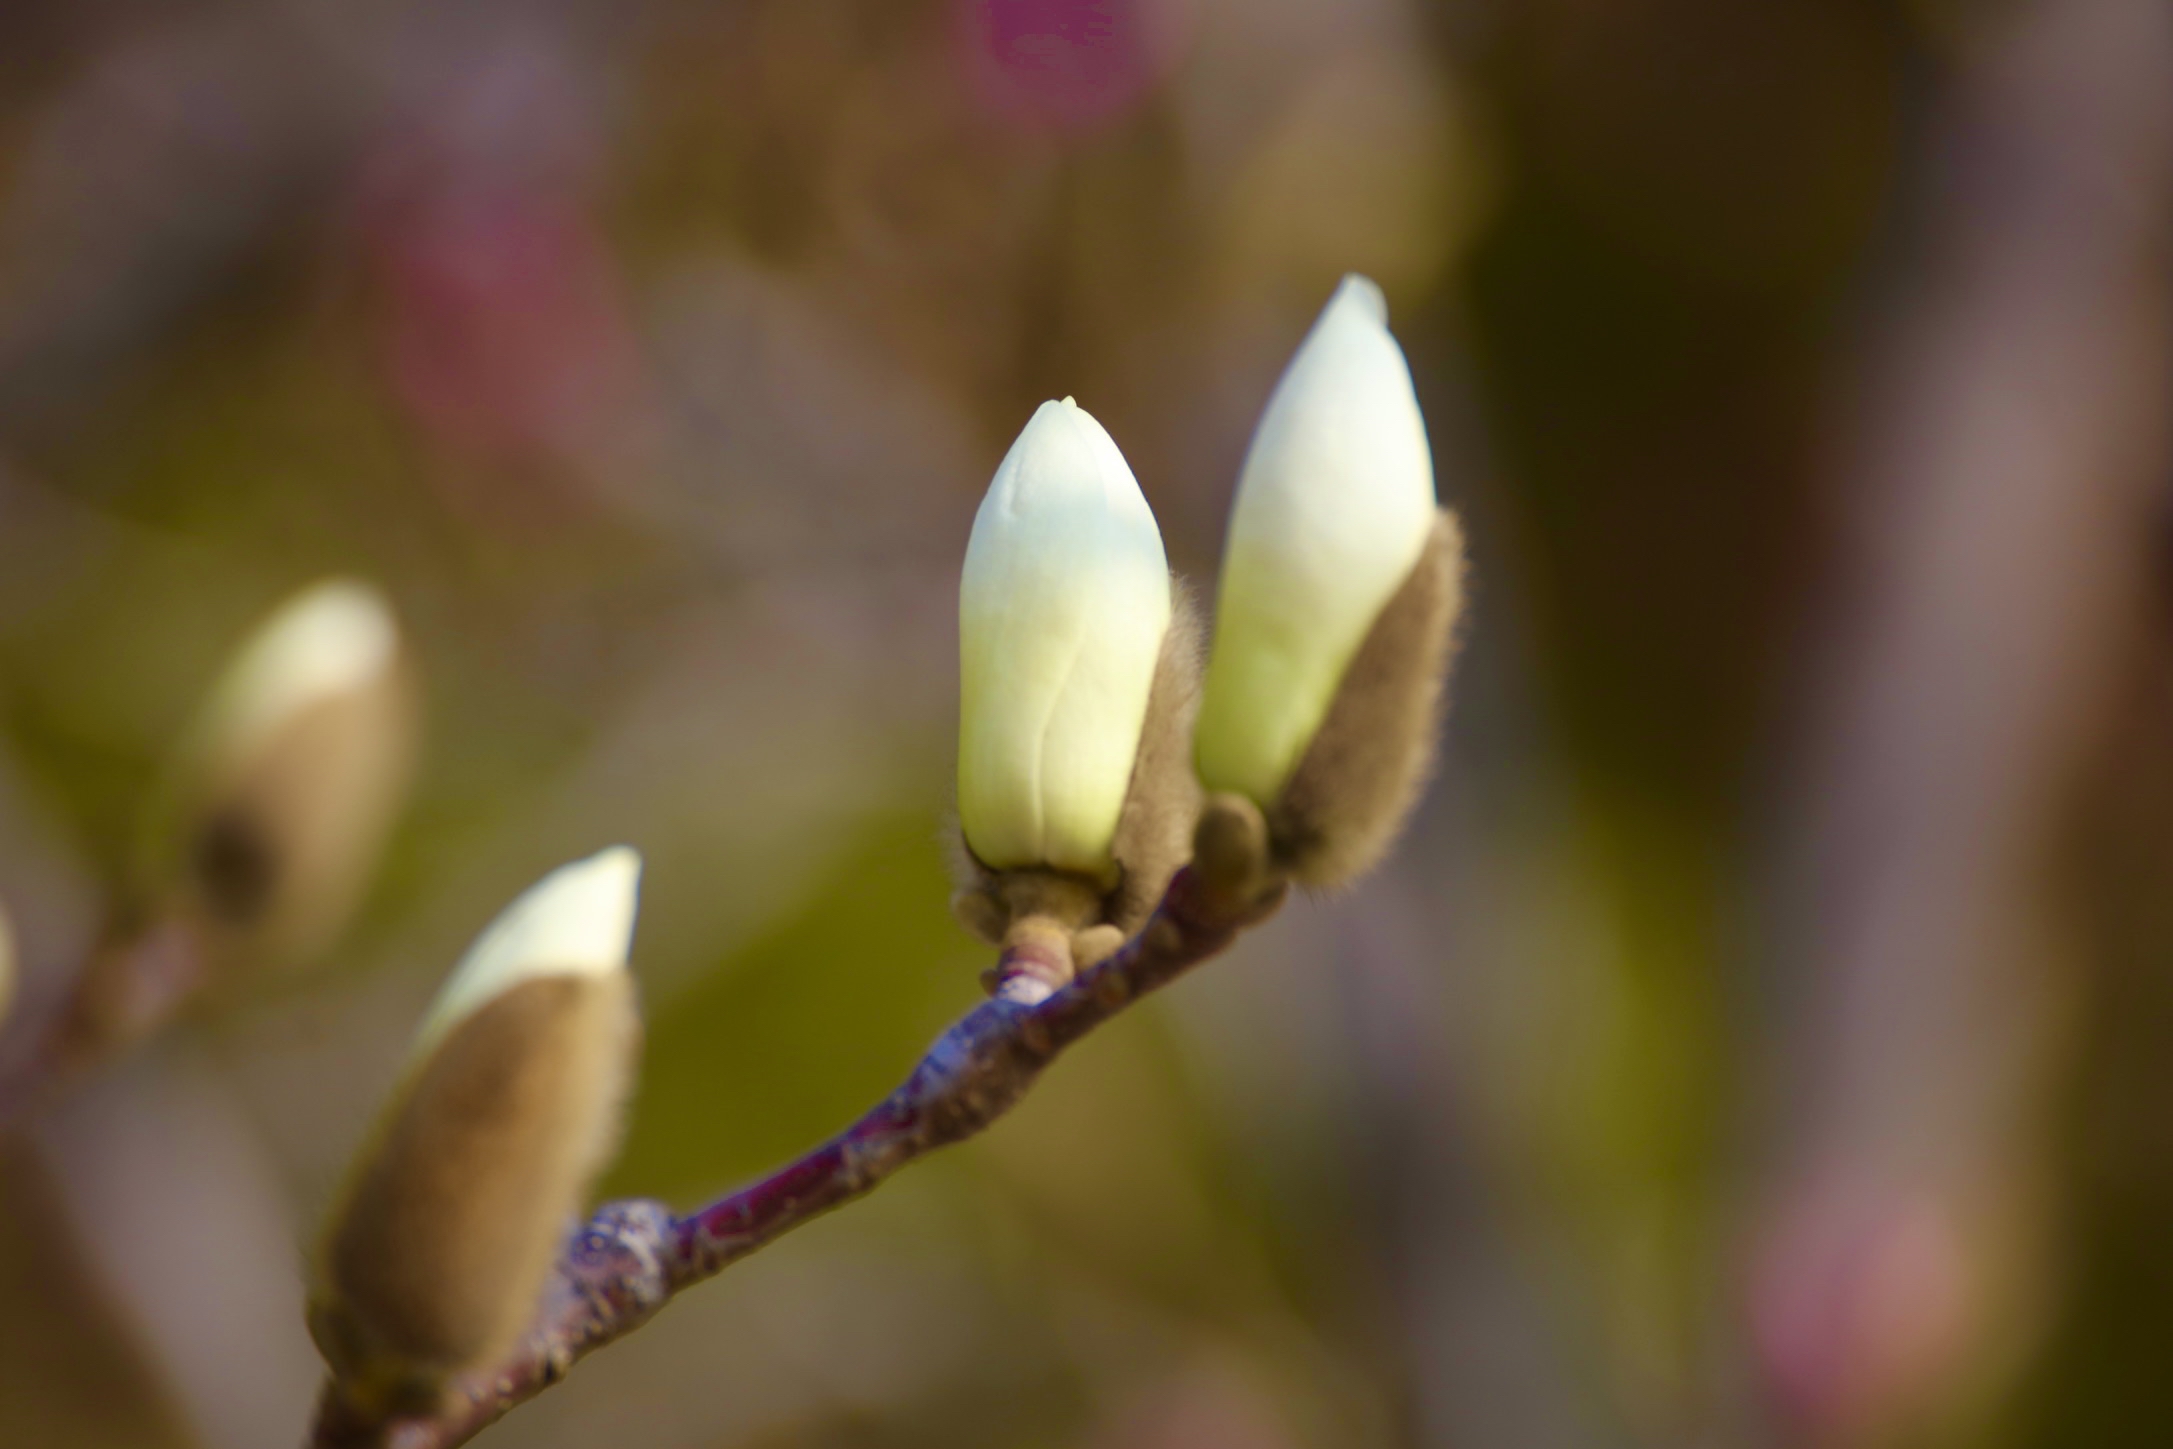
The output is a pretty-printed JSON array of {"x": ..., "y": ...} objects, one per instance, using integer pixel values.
[
  {"x": 1358, "y": 780},
  {"x": 289, "y": 779},
  {"x": 438, "y": 1251},
  {"x": 1162, "y": 803}
]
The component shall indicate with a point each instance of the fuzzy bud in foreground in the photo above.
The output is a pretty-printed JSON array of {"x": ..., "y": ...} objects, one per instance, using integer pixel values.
[
  {"x": 291, "y": 776},
  {"x": 1062, "y": 609},
  {"x": 1341, "y": 583},
  {"x": 438, "y": 1251}
]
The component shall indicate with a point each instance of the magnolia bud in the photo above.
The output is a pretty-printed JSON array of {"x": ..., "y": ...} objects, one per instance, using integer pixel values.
[
  {"x": 1334, "y": 523},
  {"x": 292, "y": 773},
  {"x": 1062, "y": 609},
  {"x": 437, "y": 1254}
]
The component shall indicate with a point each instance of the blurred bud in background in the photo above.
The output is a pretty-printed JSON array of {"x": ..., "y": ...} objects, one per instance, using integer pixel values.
[
  {"x": 1861, "y": 1301},
  {"x": 291, "y": 777},
  {"x": 510, "y": 1105},
  {"x": 1336, "y": 555}
]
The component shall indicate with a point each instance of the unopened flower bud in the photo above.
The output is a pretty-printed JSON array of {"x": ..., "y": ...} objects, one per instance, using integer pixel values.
[
  {"x": 1080, "y": 679},
  {"x": 1062, "y": 609},
  {"x": 292, "y": 774},
  {"x": 1340, "y": 587},
  {"x": 511, "y": 1102}
]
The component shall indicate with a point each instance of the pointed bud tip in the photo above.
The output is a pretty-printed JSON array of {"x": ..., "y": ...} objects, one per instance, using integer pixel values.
[
  {"x": 1361, "y": 294},
  {"x": 576, "y": 921},
  {"x": 1066, "y": 415}
]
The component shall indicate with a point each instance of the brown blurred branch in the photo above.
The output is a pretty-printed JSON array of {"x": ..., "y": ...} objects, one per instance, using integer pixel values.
[
  {"x": 135, "y": 981},
  {"x": 2012, "y": 465},
  {"x": 632, "y": 1257}
]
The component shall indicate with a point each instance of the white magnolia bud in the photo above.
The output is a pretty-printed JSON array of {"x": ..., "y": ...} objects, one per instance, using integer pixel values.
[
  {"x": 1062, "y": 607},
  {"x": 438, "y": 1251},
  {"x": 293, "y": 771},
  {"x": 1334, "y": 507}
]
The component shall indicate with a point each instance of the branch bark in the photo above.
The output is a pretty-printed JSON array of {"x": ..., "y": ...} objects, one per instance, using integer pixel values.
[
  {"x": 132, "y": 985},
  {"x": 633, "y": 1257}
]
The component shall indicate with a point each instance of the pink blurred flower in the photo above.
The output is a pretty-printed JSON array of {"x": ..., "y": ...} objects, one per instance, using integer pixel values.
[
  {"x": 503, "y": 332},
  {"x": 1859, "y": 1304},
  {"x": 1070, "y": 66},
  {"x": 501, "y": 322}
]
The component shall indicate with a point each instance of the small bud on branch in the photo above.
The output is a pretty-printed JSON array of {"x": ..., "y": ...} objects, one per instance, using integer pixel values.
[{"x": 440, "y": 1246}]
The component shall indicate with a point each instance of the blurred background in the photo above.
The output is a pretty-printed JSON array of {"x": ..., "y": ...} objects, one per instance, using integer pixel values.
[{"x": 1765, "y": 1034}]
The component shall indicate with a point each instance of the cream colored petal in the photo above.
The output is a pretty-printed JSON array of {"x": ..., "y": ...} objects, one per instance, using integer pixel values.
[{"x": 1063, "y": 602}]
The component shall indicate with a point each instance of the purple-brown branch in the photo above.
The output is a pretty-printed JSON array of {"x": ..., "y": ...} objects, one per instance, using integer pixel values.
[
  {"x": 632, "y": 1257},
  {"x": 133, "y": 983}
]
